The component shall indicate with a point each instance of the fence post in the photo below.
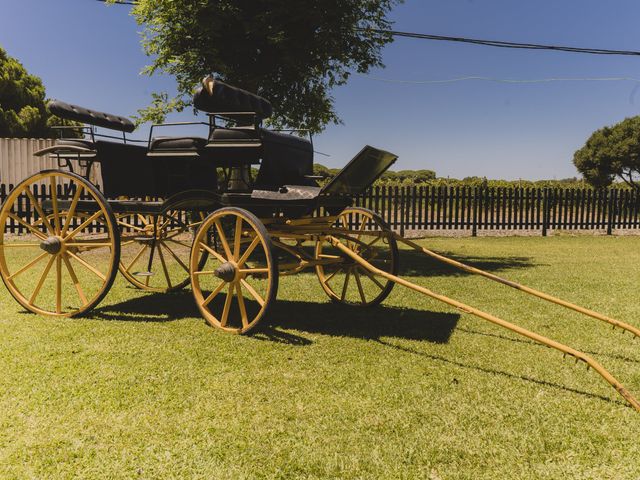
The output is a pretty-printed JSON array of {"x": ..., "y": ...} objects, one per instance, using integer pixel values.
[
  {"x": 474, "y": 226},
  {"x": 402, "y": 208},
  {"x": 611, "y": 210},
  {"x": 545, "y": 211}
]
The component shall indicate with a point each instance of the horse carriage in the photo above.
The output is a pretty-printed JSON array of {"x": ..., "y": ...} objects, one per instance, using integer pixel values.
[{"x": 226, "y": 214}]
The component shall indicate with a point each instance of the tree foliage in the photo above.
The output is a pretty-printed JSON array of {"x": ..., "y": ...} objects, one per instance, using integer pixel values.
[
  {"x": 291, "y": 52},
  {"x": 611, "y": 152},
  {"x": 23, "y": 110}
]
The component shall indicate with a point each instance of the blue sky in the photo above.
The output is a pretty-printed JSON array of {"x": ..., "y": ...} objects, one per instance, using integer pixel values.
[{"x": 90, "y": 54}]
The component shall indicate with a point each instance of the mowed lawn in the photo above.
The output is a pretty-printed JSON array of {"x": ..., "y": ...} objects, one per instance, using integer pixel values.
[{"x": 143, "y": 388}]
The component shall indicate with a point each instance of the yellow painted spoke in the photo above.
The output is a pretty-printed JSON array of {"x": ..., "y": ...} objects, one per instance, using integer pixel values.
[
  {"x": 248, "y": 251},
  {"x": 223, "y": 239},
  {"x": 38, "y": 208},
  {"x": 365, "y": 220},
  {"x": 129, "y": 225},
  {"x": 88, "y": 245},
  {"x": 326, "y": 280},
  {"x": 135, "y": 259},
  {"x": 28, "y": 265},
  {"x": 175, "y": 256},
  {"x": 359, "y": 283},
  {"x": 372, "y": 278},
  {"x": 43, "y": 277},
  {"x": 346, "y": 284},
  {"x": 369, "y": 245},
  {"x": 87, "y": 266},
  {"x": 177, "y": 242},
  {"x": 253, "y": 270},
  {"x": 205, "y": 272},
  {"x": 164, "y": 267},
  {"x": 74, "y": 279},
  {"x": 227, "y": 306},
  {"x": 18, "y": 245},
  {"x": 58, "y": 284},
  {"x": 213, "y": 252},
  {"x": 54, "y": 201},
  {"x": 32, "y": 229},
  {"x": 83, "y": 225},
  {"x": 212, "y": 295},
  {"x": 72, "y": 210},
  {"x": 243, "y": 309},
  {"x": 236, "y": 240},
  {"x": 253, "y": 292}
]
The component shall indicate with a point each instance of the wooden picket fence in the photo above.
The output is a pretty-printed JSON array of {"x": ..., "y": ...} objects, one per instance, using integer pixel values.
[{"x": 420, "y": 208}]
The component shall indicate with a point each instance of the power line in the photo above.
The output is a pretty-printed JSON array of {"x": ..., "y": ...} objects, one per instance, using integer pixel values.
[
  {"x": 501, "y": 44},
  {"x": 502, "y": 80}
]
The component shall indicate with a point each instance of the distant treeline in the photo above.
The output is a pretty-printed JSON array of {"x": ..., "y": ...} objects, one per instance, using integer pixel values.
[{"x": 429, "y": 178}]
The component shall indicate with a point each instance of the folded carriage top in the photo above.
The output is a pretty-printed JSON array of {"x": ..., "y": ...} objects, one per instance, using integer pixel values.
[
  {"x": 91, "y": 117},
  {"x": 215, "y": 96}
]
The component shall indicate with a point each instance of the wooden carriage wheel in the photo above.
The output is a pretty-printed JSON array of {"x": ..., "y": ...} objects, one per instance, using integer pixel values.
[
  {"x": 161, "y": 265},
  {"x": 234, "y": 275},
  {"x": 348, "y": 282},
  {"x": 67, "y": 260}
]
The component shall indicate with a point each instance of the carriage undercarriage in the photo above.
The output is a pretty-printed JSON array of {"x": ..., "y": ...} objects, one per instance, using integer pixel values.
[{"x": 230, "y": 244}]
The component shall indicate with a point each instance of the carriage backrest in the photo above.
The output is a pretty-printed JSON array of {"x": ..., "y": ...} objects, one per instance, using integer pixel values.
[
  {"x": 360, "y": 172},
  {"x": 91, "y": 117},
  {"x": 218, "y": 97}
]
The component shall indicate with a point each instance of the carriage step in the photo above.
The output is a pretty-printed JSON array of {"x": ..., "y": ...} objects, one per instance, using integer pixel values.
[{"x": 143, "y": 274}]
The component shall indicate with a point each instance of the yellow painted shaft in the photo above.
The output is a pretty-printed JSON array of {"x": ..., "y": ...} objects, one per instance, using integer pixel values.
[
  {"x": 493, "y": 319},
  {"x": 544, "y": 296}
]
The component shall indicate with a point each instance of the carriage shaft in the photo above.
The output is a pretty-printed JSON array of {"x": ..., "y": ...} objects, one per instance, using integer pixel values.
[{"x": 493, "y": 319}]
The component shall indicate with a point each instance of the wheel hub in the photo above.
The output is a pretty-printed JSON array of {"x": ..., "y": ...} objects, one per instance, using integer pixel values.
[
  {"x": 226, "y": 271},
  {"x": 52, "y": 245}
]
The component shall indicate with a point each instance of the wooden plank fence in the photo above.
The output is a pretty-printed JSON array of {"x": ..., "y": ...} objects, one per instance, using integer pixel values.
[{"x": 474, "y": 209}]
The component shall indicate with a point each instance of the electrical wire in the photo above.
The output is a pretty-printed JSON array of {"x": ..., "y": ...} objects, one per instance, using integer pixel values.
[
  {"x": 501, "y": 44},
  {"x": 501, "y": 80}
]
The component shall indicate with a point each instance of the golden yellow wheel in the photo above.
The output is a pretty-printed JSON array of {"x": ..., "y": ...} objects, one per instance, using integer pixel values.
[
  {"x": 369, "y": 236},
  {"x": 234, "y": 275},
  {"x": 155, "y": 249},
  {"x": 58, "y": 255}
]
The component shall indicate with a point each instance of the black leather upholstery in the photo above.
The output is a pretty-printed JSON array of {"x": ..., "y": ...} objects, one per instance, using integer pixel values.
[
  {"x": 286, "y": 160},
  {"x": 77, "y": 142},
  {"x": 226, "y": 98},
  {"x": 178, "y": 143},
  {"x": 233, "y": 135},
  {"x": 91, "y": 117}
]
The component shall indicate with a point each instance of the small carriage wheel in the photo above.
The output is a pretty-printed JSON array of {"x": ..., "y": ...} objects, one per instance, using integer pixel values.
[
  {"x": 161, "y": 265},
  {"x": 368, "y": 235},
  {"x": 64, "y": 259},
  {"x": 238, "y": 279}
]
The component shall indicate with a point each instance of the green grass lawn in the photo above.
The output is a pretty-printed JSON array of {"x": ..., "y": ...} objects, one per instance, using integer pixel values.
[{"x": 143, "y": 388}]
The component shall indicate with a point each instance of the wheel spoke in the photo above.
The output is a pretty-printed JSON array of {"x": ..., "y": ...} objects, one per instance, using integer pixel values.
[
  {"x": 28, "y": 265},
  {"x": 84, "y": 224},
  {"x": 135, "y": 259},
  {"x": 74, "y": 279},
  {"x": 363, "y": 224},
  {"x": 237, "y": 237},
  {"x": 87, "y": 266},
  {"x": 38, "y": 208},
  {"x": 326, "y": 280},
  {"x": 31, "y": 228},
  {"x": 243, "y": 309},
  {"x": 175, "y": 256},
  {"x": 58, "y": 284},
  {"x": 72, "y": 210},
  {"x": 164, "y": 266},
  {"x": 373, "y": 278},
  {"x": 223, "y": 239},
  {"x": 227, "y": 306},
  {"x": 213, "y": 252},
  {"x": 248, "y": 251},
  {"x": 43, "y": 277},
  {"x": 253, "y": 292},
  {"x": 249, "y": 271},
  {"x": 359, "y": 284},
  {"x": 346, "y": 285},
  {"x": 178, "y": 242},
  {"x": 129, "y": 225},
  {"x": 212, "y": 295},
  {"x": 89, "y": 245},
  {"x": 54, "y": 202},
  {"x": 18, "y": 245}
]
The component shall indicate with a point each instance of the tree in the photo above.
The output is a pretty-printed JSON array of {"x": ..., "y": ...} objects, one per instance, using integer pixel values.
[
  {"x": 23, "y": 110},
  {"x": 611, "y": 152},
  {"x": 291, "y": 52}
]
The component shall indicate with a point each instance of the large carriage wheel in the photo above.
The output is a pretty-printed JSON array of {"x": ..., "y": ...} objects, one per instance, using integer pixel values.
[
  {"x": 234, "y": 275},
  {"x": 65, "y": 257},
  {"x": 160, "y": 265},
  {"x": 347, "y": 281}
]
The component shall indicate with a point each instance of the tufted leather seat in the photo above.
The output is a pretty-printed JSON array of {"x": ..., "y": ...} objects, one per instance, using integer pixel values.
[
  {"x": 192, "y": 144},
  {"x": 77, "y": 142},
  {"x": 91, "y": 117}
]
